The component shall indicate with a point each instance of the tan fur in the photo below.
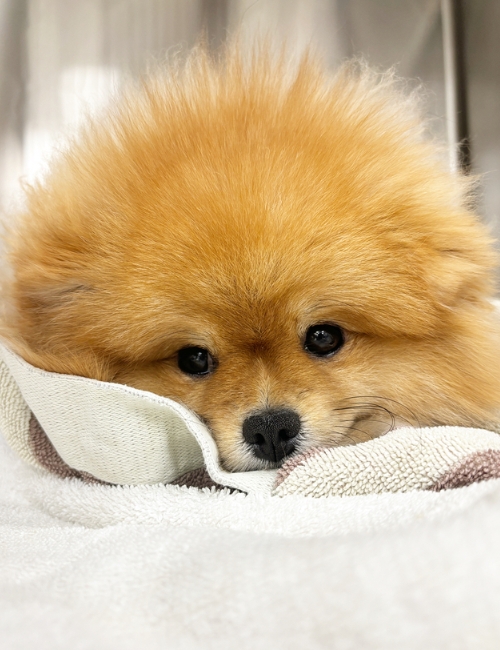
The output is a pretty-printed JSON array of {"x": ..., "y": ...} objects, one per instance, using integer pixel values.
[{"x": 233, "y": 205}]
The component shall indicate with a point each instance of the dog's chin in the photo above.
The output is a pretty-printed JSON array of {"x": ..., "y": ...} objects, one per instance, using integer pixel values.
[{"x": 245, "y": 461}]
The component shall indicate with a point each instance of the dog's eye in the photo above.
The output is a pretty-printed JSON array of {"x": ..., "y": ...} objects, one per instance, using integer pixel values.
[
  {"x": 195, "y": 361},
  {"x": 323, "y": 340}
]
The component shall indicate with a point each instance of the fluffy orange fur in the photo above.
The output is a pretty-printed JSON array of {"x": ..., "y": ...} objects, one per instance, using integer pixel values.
[{"x": 231, "y": 205}]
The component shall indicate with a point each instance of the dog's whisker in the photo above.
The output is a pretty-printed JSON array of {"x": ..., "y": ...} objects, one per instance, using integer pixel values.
[
  {"x": 344, "y": 435},
  {"x": 388, "y": 399},
  {"x": 369, "y": 419},
  {"x": 349, "y": 428},
  {"x": 373, "y": 406}
]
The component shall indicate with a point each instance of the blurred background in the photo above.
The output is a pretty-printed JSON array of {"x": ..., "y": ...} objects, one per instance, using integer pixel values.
[{"x": 62, "y": 58}]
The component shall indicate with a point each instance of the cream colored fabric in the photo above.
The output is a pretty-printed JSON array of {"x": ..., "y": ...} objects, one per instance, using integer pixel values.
[{"x": 116, "y": 433}]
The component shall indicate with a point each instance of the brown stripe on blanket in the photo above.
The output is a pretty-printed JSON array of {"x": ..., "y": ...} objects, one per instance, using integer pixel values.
[
  {"x": 198, "y": 478},
  {"x": 48, "y": 457},
  {"x": 480, "y": 466}
]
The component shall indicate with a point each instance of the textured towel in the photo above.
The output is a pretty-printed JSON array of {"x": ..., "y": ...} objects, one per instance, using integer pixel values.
[{"x": 434, "y": 458}]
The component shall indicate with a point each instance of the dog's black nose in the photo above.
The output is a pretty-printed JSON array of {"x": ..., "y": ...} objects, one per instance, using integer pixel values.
[{"x": 272, "y": 433}]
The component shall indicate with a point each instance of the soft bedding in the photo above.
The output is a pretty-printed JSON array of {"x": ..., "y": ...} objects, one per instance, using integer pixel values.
[{"x": 408, "y": 563}]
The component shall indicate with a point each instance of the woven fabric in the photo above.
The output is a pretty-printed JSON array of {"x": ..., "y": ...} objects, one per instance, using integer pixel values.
[{"x": 114, "y": 433}]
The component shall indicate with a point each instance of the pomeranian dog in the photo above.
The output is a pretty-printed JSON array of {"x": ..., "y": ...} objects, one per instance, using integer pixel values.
[{"x": 282, "y": 251}]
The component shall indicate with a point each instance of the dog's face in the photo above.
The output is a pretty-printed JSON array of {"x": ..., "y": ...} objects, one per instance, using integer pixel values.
[{"x": 293, "y": 265}]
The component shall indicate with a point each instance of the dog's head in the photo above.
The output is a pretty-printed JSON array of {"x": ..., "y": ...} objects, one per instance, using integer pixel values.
[{"x": 285, "y": 255}]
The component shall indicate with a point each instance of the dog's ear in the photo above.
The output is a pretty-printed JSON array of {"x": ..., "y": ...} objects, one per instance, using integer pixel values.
[
  {"x": 45, "y": 327},
  {"x": 464, "y": 270},
  {"x": 43, "y": 306},
  {"x": 47, "y": 308},
  {"x": 51, "y": 297}
]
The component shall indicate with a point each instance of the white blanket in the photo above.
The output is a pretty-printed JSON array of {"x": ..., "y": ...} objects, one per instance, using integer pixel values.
[{"x": 149, "y": 566}]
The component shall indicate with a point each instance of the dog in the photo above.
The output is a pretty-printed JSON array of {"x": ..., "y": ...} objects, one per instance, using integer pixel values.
[{"x": 281, "y": 250}]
